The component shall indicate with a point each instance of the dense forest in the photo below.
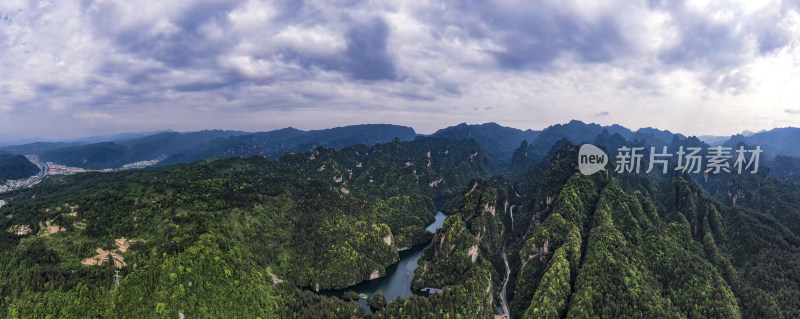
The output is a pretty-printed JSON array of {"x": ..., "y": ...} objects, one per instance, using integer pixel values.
[
  {"x": 225, "y": 228},
  {"x": 256, "y": 237}
]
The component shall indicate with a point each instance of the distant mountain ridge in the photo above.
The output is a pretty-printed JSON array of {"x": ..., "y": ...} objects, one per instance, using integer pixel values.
[
  {"x": 498, "y": 142},
  {"x": 194, "y": 146},
  {"x": 779, "y": 141},
  {"x": 579, "y": 132},
  {"x": 116, "y": 137},
  {"x": 274, "y": 144},
  {"x": 541, "y": 240}
]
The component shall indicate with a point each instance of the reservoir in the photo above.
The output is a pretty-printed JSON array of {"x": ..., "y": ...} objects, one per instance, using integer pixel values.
[{"x": 397, "y": 282}]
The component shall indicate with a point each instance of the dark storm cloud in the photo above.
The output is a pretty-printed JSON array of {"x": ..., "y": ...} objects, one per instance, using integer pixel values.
[
  {"x": 367, "y": 55},
  {"x": 98, "y": 57},
  {"x": 720, "y": 46},
  {"x": 533, "y": 34},
  {"x": 190, "y": 46},
  {"x": 538, "y": 42},
  {"x": 770, "y": 40},
  {"x": 409, "y": 96},
  {"x": 705, "y": 43},
  {"x": 530, "y": 36},
  {"x": 223, "y": 80},
  {"x": 46, "y": 88},
  {"x": 288, "y": 10}
]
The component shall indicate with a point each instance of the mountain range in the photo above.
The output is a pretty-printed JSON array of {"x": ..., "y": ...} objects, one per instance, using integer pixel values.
[
  {"x": 498, "y": 142},
  {"x": 277, "y": 233}
]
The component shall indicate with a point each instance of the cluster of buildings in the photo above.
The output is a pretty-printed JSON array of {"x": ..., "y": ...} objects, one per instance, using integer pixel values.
[
  {"x": 50, "y": 168},
  {"x": 20, "y": 183},
  {"x": 57, "y": 169}
]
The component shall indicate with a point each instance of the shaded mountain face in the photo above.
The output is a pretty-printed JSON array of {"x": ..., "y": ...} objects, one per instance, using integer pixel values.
[
  {"x": 779, "y": 141},
  {"x": 16, "y": 167},
  {"x": 503, "y": 144},
  {"x": 578, "y": 132},
  {"x": 497, "y": 141},
  {"x": 664, "y": 137},
  {"x": 714, "y": 140},
  {"x": 118, "y": 137},
  {"x": 92, "y": 156},
  {"x": 287, "y": 141},
  {"x": 36, "y": 148},
  {"x": 785, "y": 167}
]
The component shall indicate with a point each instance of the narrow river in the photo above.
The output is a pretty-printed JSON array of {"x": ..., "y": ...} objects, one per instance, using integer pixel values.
[{"x": 397, "y": 282}]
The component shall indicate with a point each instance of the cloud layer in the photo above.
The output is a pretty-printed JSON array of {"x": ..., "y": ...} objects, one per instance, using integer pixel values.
[{"x": 74, "y": 68}]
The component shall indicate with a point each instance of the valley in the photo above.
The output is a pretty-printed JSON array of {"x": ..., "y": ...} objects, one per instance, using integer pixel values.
[{"x": 402, "y": 229}]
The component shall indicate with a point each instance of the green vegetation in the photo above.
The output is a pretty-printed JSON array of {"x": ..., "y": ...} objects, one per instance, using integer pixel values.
[
  {"x": 665, "y": 250},
  {"x": 462, "y": 260},
  {"x": 377, "y": 301},
  {"x": 253, "y": 237},
  {"x": 497, "y": 141},
  {"x": 16, "y": 167},
  {"x": 225, "y": 237}
]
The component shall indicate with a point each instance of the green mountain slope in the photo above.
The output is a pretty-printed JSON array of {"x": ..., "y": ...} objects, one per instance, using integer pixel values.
[
  {"x": 16, "y": 167},
  {"x": 199, "y": 239},
  {"x": 250, "y": 237},
  {"x": 497, "y": 141}
]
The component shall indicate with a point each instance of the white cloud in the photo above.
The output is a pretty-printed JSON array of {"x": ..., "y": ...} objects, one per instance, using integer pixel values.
[{"x": 710, "y": 67}]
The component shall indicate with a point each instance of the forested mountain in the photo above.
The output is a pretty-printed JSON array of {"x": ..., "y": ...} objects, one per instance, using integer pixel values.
[
  {"x": 627, "y": 247},
  {"x": 497, "y": 141},
  {"x": 463, "y": 259},
  {"x": 779, "y": 141},
  {"x": 579, "y": 132},
  {"x": 36, "y": 148},
  {"x": 664, "y": 137},
  {"x": 249, "y": 237},
  {"x": 785, "y": 167},
  {"x": 16, "y": 167},
  {"x": 175, "y": 148},
  {"x": 504, "y": 145},
  {"x": 290, "y": 140},
  {"x": 195, "y": 238}
]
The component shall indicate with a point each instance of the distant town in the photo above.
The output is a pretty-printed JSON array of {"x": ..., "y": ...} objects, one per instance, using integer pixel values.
[{"x": 50, "y": 168}]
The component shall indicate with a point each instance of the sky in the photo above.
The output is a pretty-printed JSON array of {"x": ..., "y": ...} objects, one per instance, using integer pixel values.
[{"x": 86, "y": 68}]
